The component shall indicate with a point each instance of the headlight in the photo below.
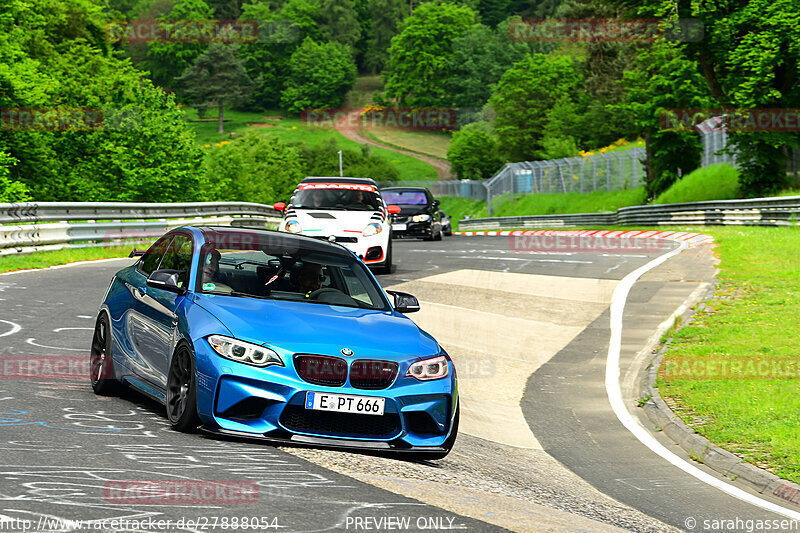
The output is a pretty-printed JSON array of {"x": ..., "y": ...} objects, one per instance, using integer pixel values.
[
  {"x": 243, "y": 352},
  {"x": 292, "y": 226},
  {"x": 372, "y": 229},
  {"x": 435, "y": 368},
  {"x": 421, "y": 218}
]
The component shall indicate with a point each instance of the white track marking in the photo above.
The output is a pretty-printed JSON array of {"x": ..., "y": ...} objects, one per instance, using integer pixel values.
[
  {"x": 59, "y": 330},
  {"x": 614, "y": 392},
  {"x": 14, "y": 328},
  {"x": 32, "y": 343}
]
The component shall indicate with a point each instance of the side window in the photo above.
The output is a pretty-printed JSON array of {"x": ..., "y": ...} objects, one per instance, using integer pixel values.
[
  {"x": 152, "y": 258},
  {"x": 179, "y": 257}
]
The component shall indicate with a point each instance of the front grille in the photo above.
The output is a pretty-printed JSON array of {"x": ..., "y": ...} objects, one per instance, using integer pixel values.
[
  {"x": 372, "y": 373},
  {"x": 351, "y": 240},
  {"x": 298, "y": 418},
  {"x": 321, "y": 369}
]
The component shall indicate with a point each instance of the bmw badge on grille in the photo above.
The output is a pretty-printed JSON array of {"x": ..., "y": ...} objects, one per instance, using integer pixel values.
[{"x": 347, "y": 352}]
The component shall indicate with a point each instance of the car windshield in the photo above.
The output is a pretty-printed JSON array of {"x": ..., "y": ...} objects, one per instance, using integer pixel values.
[
  {"x": 404, "y": 197},
  {"x": 256, "y": 270},
  {"x": 338, "y": 198}
]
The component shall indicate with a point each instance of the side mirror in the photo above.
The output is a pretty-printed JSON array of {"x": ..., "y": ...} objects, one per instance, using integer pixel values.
[
  {"x": 404, "y": 302},
  {"x": 393, "y": 209},
  {"x": 436, "y": 203},
  {"x": 443, "y": 214},
  {"x": 279, "y": 206},
  {"x": 167, "y": 280}
]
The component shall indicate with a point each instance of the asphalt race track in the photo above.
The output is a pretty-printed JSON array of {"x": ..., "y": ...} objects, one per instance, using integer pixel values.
[{"x": 540, "y": 448}]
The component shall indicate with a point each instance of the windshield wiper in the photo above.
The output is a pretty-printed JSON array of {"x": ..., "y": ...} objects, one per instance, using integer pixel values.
[{"x": 239, "y": 294}]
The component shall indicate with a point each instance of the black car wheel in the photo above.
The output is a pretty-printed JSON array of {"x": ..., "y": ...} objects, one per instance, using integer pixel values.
[
  {"x": 448, "y": 444},
  {"x": 182, "y": 391},
  {"x": 438, "y": 236},
  {"x": 100, "y": 362}
]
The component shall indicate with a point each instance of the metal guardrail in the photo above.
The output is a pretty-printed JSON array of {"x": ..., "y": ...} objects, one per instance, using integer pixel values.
[
  {"x": 28, "y": 227},
  {"x": 778, "y": 211}
]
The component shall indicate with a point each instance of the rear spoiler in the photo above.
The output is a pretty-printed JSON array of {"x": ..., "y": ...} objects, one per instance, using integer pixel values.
[{"x": 137, "y": 253}]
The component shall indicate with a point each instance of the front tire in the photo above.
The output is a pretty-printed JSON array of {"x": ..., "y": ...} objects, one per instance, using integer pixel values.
[
  {"x": 182, "y": 391},
  {"x": 387, "y": 266},
  {"x": 104, "y": 382}
]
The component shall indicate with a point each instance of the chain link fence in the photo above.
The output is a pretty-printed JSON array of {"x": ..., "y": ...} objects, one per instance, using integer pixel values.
[{"x": 611, "y": 171}]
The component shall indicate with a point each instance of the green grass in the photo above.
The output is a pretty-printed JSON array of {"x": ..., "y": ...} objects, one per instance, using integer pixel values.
[
  {"x": 50, "y": 258},
  {"x": 753, "y": 317},
  {"x": 714, "y": 182},
  {"x": 543, "y": 204},
  {"x": 361, "y": 93},
  {"x": 293, "y": 130},
  {"x": 422, "y": 142}
]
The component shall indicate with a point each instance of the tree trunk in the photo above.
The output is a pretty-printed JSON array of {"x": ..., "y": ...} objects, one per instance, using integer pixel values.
[{"x": 221, "y": 111}]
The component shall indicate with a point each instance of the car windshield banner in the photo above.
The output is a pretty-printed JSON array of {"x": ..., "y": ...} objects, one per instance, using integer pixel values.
[{"x": 348, "y": 186}]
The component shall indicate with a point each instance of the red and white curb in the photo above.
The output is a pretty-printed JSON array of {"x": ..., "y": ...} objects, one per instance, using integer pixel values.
[{"x": 692, "y": 239}]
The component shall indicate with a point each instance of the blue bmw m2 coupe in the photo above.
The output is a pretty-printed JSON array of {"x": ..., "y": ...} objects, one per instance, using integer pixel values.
[{"x": 276, "y": 336}]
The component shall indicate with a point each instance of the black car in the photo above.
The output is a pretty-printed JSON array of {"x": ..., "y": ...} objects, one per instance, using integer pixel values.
[{"x": 419, "y": 214}]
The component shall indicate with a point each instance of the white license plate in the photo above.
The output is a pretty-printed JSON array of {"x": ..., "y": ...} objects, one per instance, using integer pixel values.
[
  {"x": 345, "y": 403},
  {"x": 399, "y": 227}
]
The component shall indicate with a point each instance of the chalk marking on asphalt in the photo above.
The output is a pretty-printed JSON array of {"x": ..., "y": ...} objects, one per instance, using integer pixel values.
[
  {"x": 15, "y": 328},
  {"x": 524, "y": 259},
  {"x": 32, "y": 343},
  {"x": 614, "y": 392}
]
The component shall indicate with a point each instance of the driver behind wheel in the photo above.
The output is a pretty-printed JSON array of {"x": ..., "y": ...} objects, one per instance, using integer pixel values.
[{"x": 310, "y": 278}]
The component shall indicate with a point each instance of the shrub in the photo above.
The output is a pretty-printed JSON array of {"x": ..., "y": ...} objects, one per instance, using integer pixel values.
[{"x": 473, "y": 152}]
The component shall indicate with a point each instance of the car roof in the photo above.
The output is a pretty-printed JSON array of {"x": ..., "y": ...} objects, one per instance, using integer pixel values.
[
  {"x": 410, "y": 189},
  {"x": 320, "y": 179},
  {"x": 281, "y": 240}
]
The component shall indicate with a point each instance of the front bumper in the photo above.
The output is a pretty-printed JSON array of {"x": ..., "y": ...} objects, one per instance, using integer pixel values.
[
  {"x": 413, "y": 229},
  {"x": 365, "y": 247},
  {"x": 269, "y": 403}
]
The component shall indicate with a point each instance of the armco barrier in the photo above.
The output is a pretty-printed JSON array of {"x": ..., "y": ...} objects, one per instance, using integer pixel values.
[
  {"x": 778, "y": 211},
  {"x": 27, "y": 227}
]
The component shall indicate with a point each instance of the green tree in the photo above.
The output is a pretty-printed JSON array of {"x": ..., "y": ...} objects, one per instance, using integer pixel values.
[
  {"x": 280, "y": 34},
  {"x": 387, "y": 15},
  {"x": 11, "y": 191},
  {"x": 338, "y": 22},
  {"x": 493, "y": 12},
  {"x": 320, "y": 76},
  {"x": 253, "y": 168},
  {"x": 218, "y": 77},
  {"x": 522, "y": 99},
  {"x": 663, "y": 78},
  {"x": 167, "y": 59},
  {"x": 323, "y": 160},
  {"x": 480, "y": 57},
  {"x": 473, "y": 152},
  {"x": 748, "y": 57},
  {"x": 419, "y": 71},
  {"x": 53, "y": 55}
]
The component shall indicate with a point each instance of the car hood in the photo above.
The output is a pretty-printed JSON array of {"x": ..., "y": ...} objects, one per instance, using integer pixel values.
[
  {"x": 301, "y": 327},
  {"x": 340, "y": 223}
]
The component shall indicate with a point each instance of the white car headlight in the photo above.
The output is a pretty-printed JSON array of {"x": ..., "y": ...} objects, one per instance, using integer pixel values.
[
  {"x": 372, "y": 229},
  {"x": 293, "y": 226},
  {"x": 434, "y": 368},
  {"x": 420, "y": 218},
  {"x": 244, "y": 352}
]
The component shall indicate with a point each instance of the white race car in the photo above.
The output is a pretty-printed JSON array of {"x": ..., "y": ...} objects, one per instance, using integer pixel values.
[{"x": 347, "y": 210}]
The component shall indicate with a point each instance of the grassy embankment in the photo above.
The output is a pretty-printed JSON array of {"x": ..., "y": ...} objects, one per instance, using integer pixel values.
[{"x": 293, "y": 130}]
